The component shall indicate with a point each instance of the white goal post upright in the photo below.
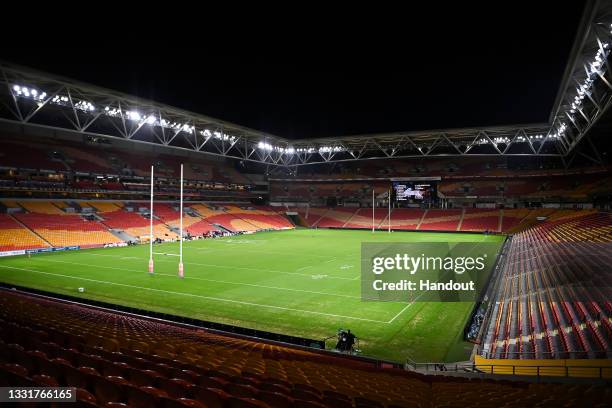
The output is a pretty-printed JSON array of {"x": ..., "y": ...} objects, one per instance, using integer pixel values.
[
  {"x": 181, "y": 273},
  {"x": 151, "y": 268},
  {"x": 373, "y": 206},
  {"x": 389, "y": 215}
]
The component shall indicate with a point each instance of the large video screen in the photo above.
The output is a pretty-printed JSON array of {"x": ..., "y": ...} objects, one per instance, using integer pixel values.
[{"x": 414, "y": 190}]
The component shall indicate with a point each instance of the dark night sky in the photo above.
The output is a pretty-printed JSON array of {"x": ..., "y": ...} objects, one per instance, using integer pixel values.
[{"x": 437, "y": 68}]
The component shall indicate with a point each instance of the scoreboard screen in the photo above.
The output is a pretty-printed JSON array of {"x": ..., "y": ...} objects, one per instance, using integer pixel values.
[{"x": 414, "y": 190}]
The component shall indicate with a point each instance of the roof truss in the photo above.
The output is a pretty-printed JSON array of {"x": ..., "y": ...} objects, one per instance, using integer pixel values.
[{"x": 33, "y": 98}]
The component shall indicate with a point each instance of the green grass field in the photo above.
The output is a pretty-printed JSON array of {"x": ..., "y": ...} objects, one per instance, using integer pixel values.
[{"x": 301, "y": 282}]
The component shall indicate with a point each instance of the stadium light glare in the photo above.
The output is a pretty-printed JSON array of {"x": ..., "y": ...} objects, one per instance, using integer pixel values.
[
  {"x": 84, "y": 106},
  {"x": 265, "y": 146},
  {"x": 133, "y": 115}
]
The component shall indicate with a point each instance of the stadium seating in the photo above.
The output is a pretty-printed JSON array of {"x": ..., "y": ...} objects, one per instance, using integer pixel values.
[
  {"x": 237, "y": 218},
  {"x": 310, "y": 215},
  {"x": 262, "y": 217},
  {"x": 116, "y": 359},
  {"x": 405, "y": 218},
  {"x": 229, "y": 221},
  {"x": 441, "y": 220},
  {"x": 513, "y": 217},
  {"x": 335, "y": 217},
  {"x": 362, "y": 218},
  {"x": 86, "y": 161},
  {"x": 67, "y": 230},
  {"x": 475, "y": 219},
  {"x": 136, "y": 225},
  {"x": 105, "y": 206},
  {"x": 38, "y": 156},
  {"x": 553, "y": 300},
  {"x": 41, "y": 207},
  {"x": 13, "y": 236},
  {"x": 171, "y": 217}
]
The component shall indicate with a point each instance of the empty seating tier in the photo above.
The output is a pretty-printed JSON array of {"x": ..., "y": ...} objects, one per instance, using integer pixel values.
[
  {"x": 13, "y": 236},
  {"x": 553, "y": 296},
  {"x": 67, "y": 230},
  {"x": 336, "y": 217},
  {"x": 117, "y": 359},
  {"x": 475, "y": 219},
  {"x": 441, "y": 220}
]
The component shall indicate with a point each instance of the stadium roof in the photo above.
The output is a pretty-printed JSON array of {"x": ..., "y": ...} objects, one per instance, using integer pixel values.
[{"x": 33, "y": 98}]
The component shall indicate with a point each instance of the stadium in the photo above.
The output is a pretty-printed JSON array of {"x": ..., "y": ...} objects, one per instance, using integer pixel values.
[{"x": 155, "y": 256}]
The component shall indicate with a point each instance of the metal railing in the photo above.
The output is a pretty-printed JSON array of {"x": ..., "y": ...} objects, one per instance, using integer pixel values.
[
  {"x": 596, "y": 372},
  {"x": 577, "y": 354}
]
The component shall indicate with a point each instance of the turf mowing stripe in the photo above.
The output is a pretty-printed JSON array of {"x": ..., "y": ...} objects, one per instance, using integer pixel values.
[
  {"x": 204, "y": 279},
  {"x": 234, "y": 267},
  {"x": 193, "y": 295}
]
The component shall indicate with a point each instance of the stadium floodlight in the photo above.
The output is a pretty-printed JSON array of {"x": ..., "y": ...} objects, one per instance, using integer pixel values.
[
  {"x": 265, "y": 146},
  {"x": 150, "y": 119},
  {"x": 223, "y": 136},
  {"x": 16, "y": 88},
  {"x": 329, "y": 149},
  {"x": 84, "y": 106},
  {"x": 112, "y": 112},
  {"x": 133, "y": 115}
]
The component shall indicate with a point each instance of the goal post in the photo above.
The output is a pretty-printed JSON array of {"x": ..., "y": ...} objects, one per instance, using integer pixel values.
[
  {"x": 181, "y": 272},
  {"x": 151, "y": 265}
]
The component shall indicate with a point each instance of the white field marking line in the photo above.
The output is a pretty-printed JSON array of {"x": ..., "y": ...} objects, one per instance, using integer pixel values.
[
  {"x": 408, "y": 305},
  {"x": 259, "y": 251},
  {"x": 232, "y": 267},
  {"x": 401, "y": 311},
  {"x": 193, "y": 295},
  {"x": 163, "y": 253},
  {"x": 208, "y": 280}
]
